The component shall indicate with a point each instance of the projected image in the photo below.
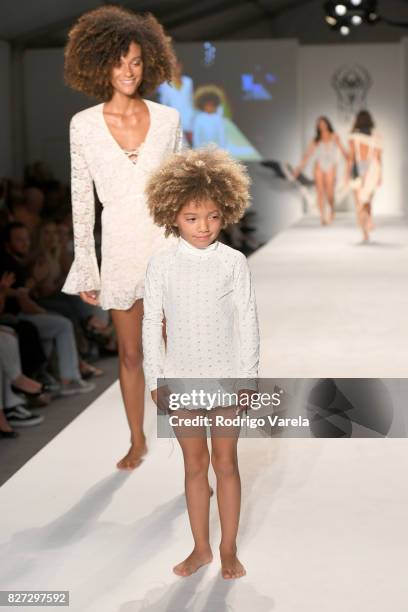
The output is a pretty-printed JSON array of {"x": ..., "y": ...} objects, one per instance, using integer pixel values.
[
  {"x": 257, "y": 85},
  {"x": 217, "y": 98}
]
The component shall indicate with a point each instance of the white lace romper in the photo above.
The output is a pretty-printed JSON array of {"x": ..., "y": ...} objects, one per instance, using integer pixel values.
[{"x": 129, "y": 236}]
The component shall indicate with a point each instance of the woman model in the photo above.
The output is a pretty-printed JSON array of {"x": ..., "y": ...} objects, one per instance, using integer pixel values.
[
  {"x": 118, "y": 56},
  {"x": 366, "y": 163},
  {"x": 324, "y": 147}
]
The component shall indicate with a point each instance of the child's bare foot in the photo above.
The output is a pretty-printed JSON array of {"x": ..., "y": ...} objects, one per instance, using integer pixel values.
[
  {"x": 133, "y": 458},
  {"x": 193, "y": 562},
  {"x": 231, "y": 566}
]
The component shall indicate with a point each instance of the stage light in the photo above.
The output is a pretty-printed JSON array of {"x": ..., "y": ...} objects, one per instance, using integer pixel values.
[
  {"x": 356, "y": 2},
  {"x": 356, "y": 20},
  {"x": 340, "y": 9},
  {"x": 344, "y": 30},
  {"x": 331, "y": 20}
]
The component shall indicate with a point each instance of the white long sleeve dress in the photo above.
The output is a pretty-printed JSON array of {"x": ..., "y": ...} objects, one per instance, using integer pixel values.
[
  {"x": 208, "y": 300},
  {"x": 129, "y": 236}
]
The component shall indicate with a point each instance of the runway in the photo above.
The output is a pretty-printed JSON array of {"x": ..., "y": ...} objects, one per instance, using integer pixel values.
[{"x": 323, "y": 523}]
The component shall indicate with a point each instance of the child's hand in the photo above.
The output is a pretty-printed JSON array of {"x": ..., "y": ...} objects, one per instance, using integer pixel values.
[
  {"x": 161, "y": 399},
  {"x": 244, "y": 404}
]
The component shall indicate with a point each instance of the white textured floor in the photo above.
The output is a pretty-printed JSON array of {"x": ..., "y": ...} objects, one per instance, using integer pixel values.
[{"x": 323, "y": 524}]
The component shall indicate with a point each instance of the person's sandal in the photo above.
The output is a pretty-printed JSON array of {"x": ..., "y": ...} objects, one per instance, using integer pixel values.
[{"x": 19, "y": 391}]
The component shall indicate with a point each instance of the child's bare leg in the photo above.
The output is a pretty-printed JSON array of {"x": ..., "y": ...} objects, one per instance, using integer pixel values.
[
  {"x": 196, "y": 464},
  {"x": 224, "y": 459}
]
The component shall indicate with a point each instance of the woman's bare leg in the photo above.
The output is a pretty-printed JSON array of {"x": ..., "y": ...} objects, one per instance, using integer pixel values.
[
  {"x": 224, "y": 459},
  {"x": 330, "y": 183},
  {"x": 128, "y": 326},
  {"x": 360, "y": 216},
  {"x": 193, "y": 443},
  {"x": 319, "y": 180},
  {"x": 366, "y": 219},
  {"x": 370, "y": 223}
]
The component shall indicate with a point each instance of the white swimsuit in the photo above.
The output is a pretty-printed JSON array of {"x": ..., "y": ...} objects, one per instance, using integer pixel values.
[
  {"x": 369, "y": 168},
  {"x": 326, "y": 155}
]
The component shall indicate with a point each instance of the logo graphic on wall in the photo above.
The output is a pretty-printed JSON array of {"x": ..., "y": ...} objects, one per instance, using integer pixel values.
[{"x": 351, "y": 84}]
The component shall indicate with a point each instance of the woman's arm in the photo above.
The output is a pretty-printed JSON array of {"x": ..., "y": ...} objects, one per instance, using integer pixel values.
[
  {"x": 153, "y": 342},
  {"x": 350, "y": 159},
  {"x": 179, "y": 137},
  {"x": 339, "y": 144},
  {"x": 309, "y": 152},
  {"x": 84, "y": 272},
  {"x": 378, "y": 153},
  {"x": 245, "y": 303}
]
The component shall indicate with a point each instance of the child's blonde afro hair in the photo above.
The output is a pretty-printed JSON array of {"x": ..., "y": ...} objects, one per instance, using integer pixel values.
[{"x": 193, "y": 176}]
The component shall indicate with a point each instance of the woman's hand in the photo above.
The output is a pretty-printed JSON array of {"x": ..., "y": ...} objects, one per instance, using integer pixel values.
[
  {"x": 6, "y": 281},
  {"x": 41, "y": 270},
  {"x": 89, "y": 297}
]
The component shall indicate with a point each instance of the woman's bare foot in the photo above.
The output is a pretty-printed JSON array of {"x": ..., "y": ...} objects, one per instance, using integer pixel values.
[
  {"x": 331, "y": 216},
  {"x": 193, "y": 562},
  {"x": 231, "y": 566},
  {"x": 133, "y": 458}
]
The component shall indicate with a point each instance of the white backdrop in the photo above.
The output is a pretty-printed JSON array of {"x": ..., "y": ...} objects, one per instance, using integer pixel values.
[{"x": 385, "y": 100}]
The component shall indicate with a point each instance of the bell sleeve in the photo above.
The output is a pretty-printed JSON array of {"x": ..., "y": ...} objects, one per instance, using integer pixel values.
[{"x": 84, "y": 272}]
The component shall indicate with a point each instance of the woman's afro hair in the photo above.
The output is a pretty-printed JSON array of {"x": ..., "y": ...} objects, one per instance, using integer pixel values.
[
  {"x": 197, "y": 175},
  {"x": 102, "y": 36}
]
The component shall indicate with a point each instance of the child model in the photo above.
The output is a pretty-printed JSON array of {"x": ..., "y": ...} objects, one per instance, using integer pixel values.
[
  {"x": 209, "y": 123},
  {"x": 203, "y": 288}
]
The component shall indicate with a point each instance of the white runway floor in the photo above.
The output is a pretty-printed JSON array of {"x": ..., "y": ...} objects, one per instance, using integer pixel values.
[{"x": 323, "y": 526}]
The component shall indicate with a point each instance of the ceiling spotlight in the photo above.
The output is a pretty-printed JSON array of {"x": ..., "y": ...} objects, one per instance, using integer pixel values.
[
  {"x": 344, "y": 30},
  {"x": 331, "y": 20},
  {"x": 356, "y": 20},
  {"x": 340, "y": 9},
  {"x": 356, "y": 2}
]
